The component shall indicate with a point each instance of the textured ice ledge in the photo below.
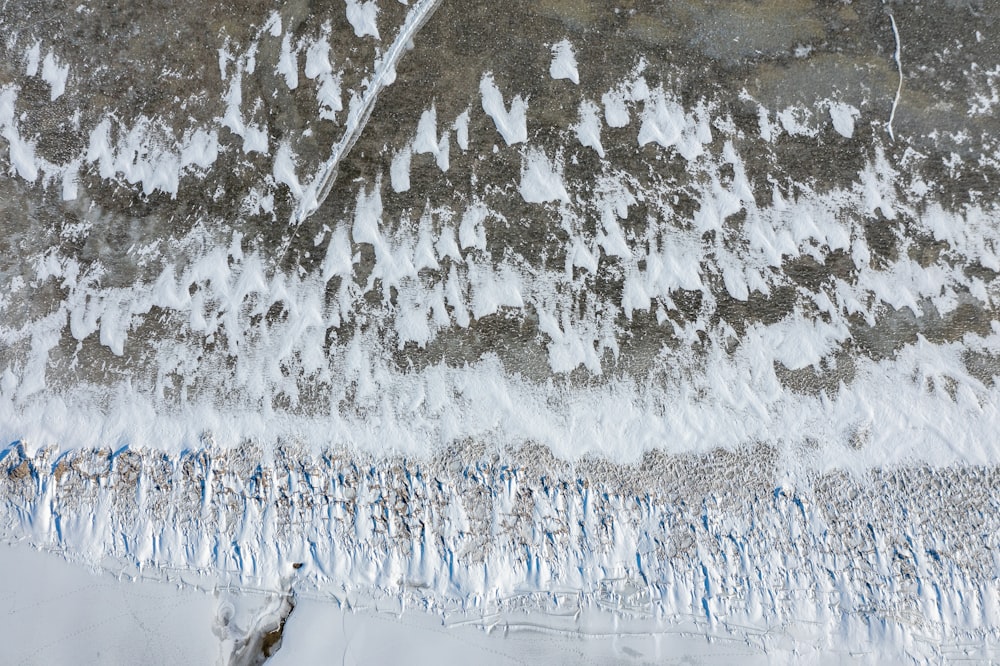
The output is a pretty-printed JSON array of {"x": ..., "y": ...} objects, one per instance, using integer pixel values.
[{"x": 904, "y": 558}]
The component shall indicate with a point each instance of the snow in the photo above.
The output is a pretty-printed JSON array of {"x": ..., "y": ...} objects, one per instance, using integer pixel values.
[
  {"x": 399, "y": 171},
  {"x": 615, "y": 111},
  {"x": 426, "y": 140},
  {"x": 318, "y": 59},
  {"x": 471, "y": 232},
  {"x": 31, "y": 58},
  {"x": 541, "y": 179},
  {"x": 55, "y": 74},
  {"x": 511, "y": 124},
  {"x": 335, "y": 368},
  {"x": 318, "y": 66},
  {"x": 563, "y": 64},
  {"x": 284, "y": 169},
  {"x": 843, "y": 116},
  {"x": 362, "y": 14},
  {"x": 56, "y": 612},
  {"x": 273, "y": 24},
  {"x": 588, "y": 129},
  {"x": 288, "y": 63},
  {"x": 461, "y": 127},
  {"x": 795, "y": 120}
]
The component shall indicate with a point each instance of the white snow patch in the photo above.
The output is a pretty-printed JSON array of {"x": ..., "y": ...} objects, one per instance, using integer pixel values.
[
  {"x": 338, "y": 260},
  {"x": 399, "y": 170},
  {"x": 55, "y": 74},
  {"x": 588, "y": 129},
  {"x": 31, "y": 58},
  {"x": 795, "y": 121},
  {"x": 318, "y": 59},
  {"x": 255, "y": 139},
  {"x": 563, "y": 65},
  {"x": 615, "y": 109},
  {"x": 443, "y": 157},
  {"x": 70, "y": 180},
  {"x": 200, "y": 149},
  {"x": 329, "y": 97},
  {"x": 21, "y": 152},
  {"x": 843, "y": 116},
  {"x": 541, "y": 180},
  {"x": 426, "y": 140},
  {"x": 512, "y": 124},
  {"x": 273, "y": 24},
  {"x": 472, "y": 233},
  {"x": 288, "y": 63},
  {"x": 284, "y": 169},
  {"x": 461, "y": 127},
  {"x": 361, "y": 16},
  {"x": 665, "y": 122}
]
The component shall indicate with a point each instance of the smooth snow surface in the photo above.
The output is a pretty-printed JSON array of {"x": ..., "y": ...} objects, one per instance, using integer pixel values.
[{"x": 56, "y": 612}]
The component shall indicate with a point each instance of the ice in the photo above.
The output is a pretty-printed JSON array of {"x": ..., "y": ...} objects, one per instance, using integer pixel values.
[
  {"x": 58, "y": 612},
  {"x": 640, "y": 373}
]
